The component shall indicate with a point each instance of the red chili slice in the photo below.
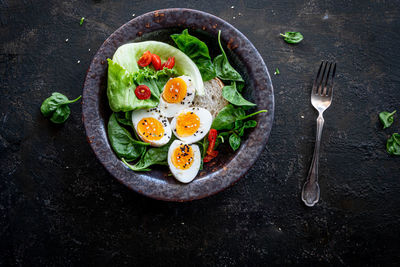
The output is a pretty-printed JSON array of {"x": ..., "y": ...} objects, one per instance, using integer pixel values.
[
  {"x": 211, "y": 153},
  {"x": 142, "y": 92},
  {"x": 156, "y": 61},
  {"x": 145, "y": 59}
]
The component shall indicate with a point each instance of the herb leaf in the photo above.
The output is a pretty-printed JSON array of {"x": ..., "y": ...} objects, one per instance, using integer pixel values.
[
  {"x": 277, "y": 72},
  {"x": 386, "y": 118},
  {"x": 292, "y": 37},
  {"x": 234, "y": 141},
  {"x": 122, "y": 142},
  {"x": 393, "y": 144},
  {"x": 231, "y": 94},
  {"x": 81, "y": 21},
  {"x": 197, "y": 51},
  {"x": 56, "y": 107},
  {"x": 155, "y": 155},
  {"x": 223, "y": 69}
]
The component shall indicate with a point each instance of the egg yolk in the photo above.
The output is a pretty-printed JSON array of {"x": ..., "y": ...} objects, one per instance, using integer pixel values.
[
  {"x": 150, "y": 129},
  {"x": 175, "y": 90},
  {"x": 182, "y": 157},
  {"x": 187, "y": 124}
]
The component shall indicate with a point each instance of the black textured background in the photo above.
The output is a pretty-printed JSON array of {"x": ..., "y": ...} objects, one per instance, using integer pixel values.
[{"x": 59, "y": 207}]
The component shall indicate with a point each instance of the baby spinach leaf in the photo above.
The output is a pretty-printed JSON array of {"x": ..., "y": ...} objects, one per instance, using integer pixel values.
[
  {"x": 231, "y": 94},
  {"x": 393, "y": 144},
  {"x": 197, "y": 51},
  {"x": 56, "y": 107},
  {"x": 292, "y": 37},
  {"x": 122, "y": 142},
  {"x": 223, "y": 69},
  {"x": 226, "y": 117},
  {"x": 386, "y": 118},
  {"x": 124, "y": 118},
  {"x": 234, "y": 141},
  {"x": 252, "y": 114},
  {"x": 153, "y": 156},
  {"x": 239, "y": 86}
]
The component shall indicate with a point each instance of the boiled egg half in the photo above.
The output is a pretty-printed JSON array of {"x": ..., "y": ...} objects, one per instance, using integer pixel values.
[
  {"x": 178, "y": 93},
  {"x": 191, "y": 124},
  {"x": 184, "y": 160},
  {"x": 152, "y": 126}
]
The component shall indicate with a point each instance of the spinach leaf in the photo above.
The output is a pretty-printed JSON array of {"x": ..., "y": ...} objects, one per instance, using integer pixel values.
[
  {"x": 234, "y": 141},
  {"x": 239, "y": 86},
  {"x": 393, "y": 144},
  {"x": 292, "y": 37},
  {"x": 122, "y": 142},
  {"x": 223, "y": 69},
  {"x": 124, "y": 118},
  {"x": 197, "y": 51},
  {"x": 56, "y": 107},
  {"x": 386, "y": 118},
  {"x": 156, "y": 155},
  {"x": 231, "y": 94},
  {"x": 226, "y": 117}
]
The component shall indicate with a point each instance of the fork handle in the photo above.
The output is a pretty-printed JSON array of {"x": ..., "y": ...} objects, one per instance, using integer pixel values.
[{"x": 310, "y": 192}]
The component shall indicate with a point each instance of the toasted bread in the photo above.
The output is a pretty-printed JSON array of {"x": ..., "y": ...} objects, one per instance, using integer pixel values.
[{"x": 212, "y": 100}]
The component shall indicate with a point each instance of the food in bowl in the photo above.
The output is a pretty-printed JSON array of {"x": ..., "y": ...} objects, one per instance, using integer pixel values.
[{"x": 174, "y": 106}]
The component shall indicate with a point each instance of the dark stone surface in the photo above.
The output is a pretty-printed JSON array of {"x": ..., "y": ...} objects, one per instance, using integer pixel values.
[{"x": 60, "y": 207}]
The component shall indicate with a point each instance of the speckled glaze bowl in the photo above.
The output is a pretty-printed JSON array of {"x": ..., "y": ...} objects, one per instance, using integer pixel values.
[{"x": 229, "y": 166}]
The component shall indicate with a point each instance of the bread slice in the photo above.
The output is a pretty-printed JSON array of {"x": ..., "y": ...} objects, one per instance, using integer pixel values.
[{"x": 212, "y": 100}]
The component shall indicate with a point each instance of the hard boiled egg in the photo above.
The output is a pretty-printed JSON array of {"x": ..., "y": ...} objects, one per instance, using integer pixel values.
[
  {"x": 152, "y": 126},
  {"x": 178, "y": 93},
  {"x": 191, "y": 124},
  {"x": 184, "y": 160}
]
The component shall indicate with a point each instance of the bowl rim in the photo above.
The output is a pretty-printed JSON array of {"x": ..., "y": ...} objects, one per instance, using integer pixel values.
[{"x": 217, "y": 180}]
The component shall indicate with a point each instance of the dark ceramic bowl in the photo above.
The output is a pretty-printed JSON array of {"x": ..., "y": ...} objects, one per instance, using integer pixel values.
[{"x": 229, "y": 166}]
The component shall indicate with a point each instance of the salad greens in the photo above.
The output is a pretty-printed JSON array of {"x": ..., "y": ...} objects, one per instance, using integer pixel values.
[
  {"x": 393, "y": 144},
  {"x": 223, "y": 69},
  {"x": 122, "y": 142},
  {"x": 56, "y": 107},
  {"x": 292, "y": 37},
  {"x": 386, "y": 118},
  {"x": 155, "y": 155},
  {"x": 232, "y": 95},
  {"x": 197, "y": 51},
  {"x": 124, "y": 118}
]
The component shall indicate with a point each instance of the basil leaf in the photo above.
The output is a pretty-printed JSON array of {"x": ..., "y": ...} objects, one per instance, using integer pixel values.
[
  {"x": 122, "y": 142},
  {"x": 226, "y": 117},
  {"x": 56, "y": 107},
  {"x": 156, "y": 155},
  {"x": 223, "y": 69},
  {"x": 231, "y": 94},
  {"x": 393, "y": 144},
  {"x": 197, "y": 51},
  {"x": 292, "y": 37},
  {"x": 386, "y": 118},
  {"x": 234, "y": 141}
]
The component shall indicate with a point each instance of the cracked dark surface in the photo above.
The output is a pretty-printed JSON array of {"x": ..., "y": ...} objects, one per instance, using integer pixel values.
[{"x": 60, "y": 207}]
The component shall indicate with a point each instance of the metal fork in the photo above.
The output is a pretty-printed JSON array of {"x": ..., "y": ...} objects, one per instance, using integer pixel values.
[{"x": 321, "y": 99}]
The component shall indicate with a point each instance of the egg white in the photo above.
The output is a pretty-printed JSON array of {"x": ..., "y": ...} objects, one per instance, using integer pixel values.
[
  {"x": 158, "y": 115},
  {"x": 187, "y": 175},
  {"x": 170, "y": 109},
  {"x": 205, "y": 124}
]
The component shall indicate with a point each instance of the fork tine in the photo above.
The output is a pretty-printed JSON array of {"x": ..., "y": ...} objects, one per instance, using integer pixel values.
[
  {"x": 322, "y": 79},
  {"x": 333, "y": 76},
  {"x": 314, "y": 88},
  {"x": 327, "y": 79}
]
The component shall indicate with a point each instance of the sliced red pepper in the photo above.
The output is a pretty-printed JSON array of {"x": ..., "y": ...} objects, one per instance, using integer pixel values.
[
  {"x": 142, "y": 92},
  {"x": 211, "y": 153},
  {"x": 145, "y": 59}
]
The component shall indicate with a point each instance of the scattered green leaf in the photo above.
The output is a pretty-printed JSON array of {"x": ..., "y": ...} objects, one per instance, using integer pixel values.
[
  {"x": 56, "y": 107},
  {"x": 386, "y": 118},
  {"x": 393, "y": 144},
  {"x": 234, "y": 141},
  {"x": 292, "y": 37},
  {"x": 81, "y": 21},
  {"x": 277, "y": 72}
]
